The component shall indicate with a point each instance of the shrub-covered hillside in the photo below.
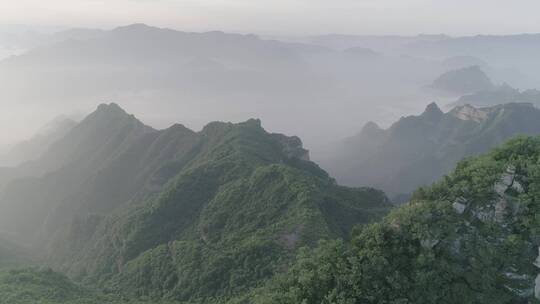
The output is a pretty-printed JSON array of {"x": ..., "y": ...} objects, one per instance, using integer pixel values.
[
  {"x": 44, "y": 286},
  {"x": 25, "y": 286},
  {"x": 176, "y": 214},
  {"x": 473, "y": 237}
]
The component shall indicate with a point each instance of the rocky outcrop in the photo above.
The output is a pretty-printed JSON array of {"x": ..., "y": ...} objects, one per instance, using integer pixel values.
[
  {"x": 292, "y": 146},
  {"x": 503, "y": 210},
  {"x": 506, "y": 181},
  {"x": 468, "y": 112},
  {"x": 460, "y": 205}
]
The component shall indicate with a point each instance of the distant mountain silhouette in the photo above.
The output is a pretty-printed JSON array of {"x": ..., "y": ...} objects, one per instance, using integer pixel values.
[
  {"x": 417, "y": 150},
  {"x": 500, "y": 95},
  {"x": 34, "y": 147},
  {"x": 463, "y": 81}
]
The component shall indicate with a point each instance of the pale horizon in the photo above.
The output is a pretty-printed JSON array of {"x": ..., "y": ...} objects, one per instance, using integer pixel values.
[{"x": 366, "y": 17}]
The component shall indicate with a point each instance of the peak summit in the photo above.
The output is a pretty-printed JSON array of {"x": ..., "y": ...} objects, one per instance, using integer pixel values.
[
  {"x": 111, "y": 107},
  {"x": 110, "y": 113},
  {"x": 370, "y": 126},
  {"x": 433, "y": 110},
  {"x": 432, "y": 107},
  {"x": 134, "y": 27}
]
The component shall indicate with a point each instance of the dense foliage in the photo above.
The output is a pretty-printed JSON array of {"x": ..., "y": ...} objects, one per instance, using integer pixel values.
[
  {"x": 228, "y": 221},
  {"x": 175, "y": 214},
  {"x": 44, "y": 286},
  {"x": 242, "y": 217},
  {"x": 471, "y": 238},
  {"x": 40, "y": 286}
]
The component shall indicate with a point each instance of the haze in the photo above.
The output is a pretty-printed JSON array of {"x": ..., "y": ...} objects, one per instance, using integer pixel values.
[
  {"x": 459, "y": 17},
  {"x": 276, "y": 151},
  {"x": 316, "y": 69}
]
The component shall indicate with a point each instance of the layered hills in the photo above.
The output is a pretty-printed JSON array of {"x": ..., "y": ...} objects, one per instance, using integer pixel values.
[
  {"x": 234, "y": 214},
  {"x": 33, "y": 148},
  {"x": 177, "y": 214},
  {"x": 418, "y": 150},
  {"x": 500, "y": 95}
]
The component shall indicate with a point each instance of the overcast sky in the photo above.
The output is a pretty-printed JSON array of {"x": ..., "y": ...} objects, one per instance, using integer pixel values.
[{"x": 457, "y": 17}]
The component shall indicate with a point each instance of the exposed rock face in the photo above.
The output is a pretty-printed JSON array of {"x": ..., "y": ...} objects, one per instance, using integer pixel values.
[
  {"x": 506, "y": 180},
  {"x": 503, "y": 210},
  {"x": 517, "y": 186},
  {"x": 468, "y": 112},
  {"x": 292, "y": 146},
  {"x": 484, "y": 214},
  {"x": 499, "y": 209},
  {"x": 460, "y": 205}
]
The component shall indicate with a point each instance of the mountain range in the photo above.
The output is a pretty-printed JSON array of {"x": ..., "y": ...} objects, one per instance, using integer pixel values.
[
  {"x": 229, "y": 228},
  {"x": 499, "y": 95},
  {"x": 418, "y": 150},
  {"x": 174, "y": 213},
  {"x": 110, "y": 209},
  {"x": 474, "y": 87},
  {"x": 185, "y": 76},
  {"x": 125, "y": 213}
]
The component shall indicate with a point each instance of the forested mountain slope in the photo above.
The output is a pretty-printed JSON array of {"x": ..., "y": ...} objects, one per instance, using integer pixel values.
[
  {"x": 70, "y": 175},
  {"x": 228, "y": 220},
  {"x": 472, "y": 237},
  {"x": 177, "y": 214}
]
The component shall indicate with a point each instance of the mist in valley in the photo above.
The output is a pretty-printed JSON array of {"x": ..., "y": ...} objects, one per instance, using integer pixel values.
[{"x": 322, "y": 88}]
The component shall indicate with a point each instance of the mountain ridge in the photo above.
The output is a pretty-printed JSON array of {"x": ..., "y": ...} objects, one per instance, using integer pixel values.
[
  {"x": 241, "y": 199},
  {"x": 432, "y": 140}
]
